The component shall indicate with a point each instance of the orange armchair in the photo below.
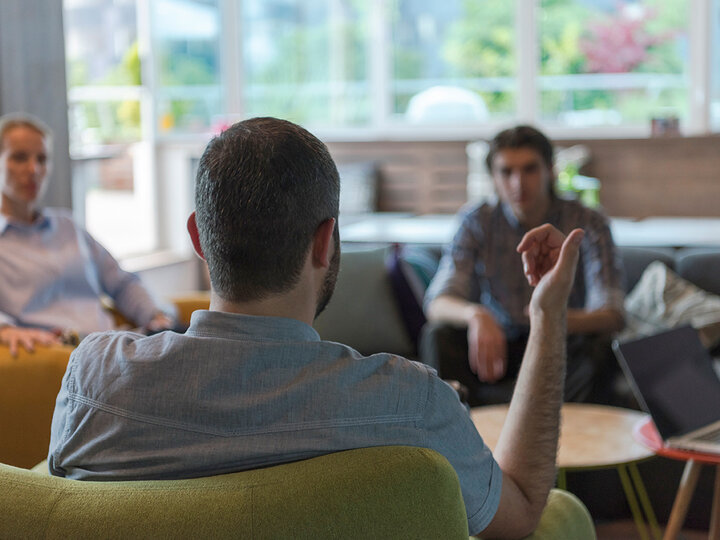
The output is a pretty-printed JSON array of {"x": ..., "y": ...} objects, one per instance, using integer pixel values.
[{"x": 29, "y": 384}]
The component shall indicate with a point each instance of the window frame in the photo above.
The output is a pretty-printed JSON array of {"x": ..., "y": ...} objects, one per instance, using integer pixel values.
[{"x": 382, "y": 124}]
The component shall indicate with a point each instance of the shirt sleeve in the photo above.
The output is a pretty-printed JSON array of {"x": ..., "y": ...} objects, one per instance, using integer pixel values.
[
  {"x": 6, "y": 320},
  {"x": 129, "y": 295},
  {"x": 456, "y": 275},
  {"x": 451, "y": 432},
  {"x": 59, "y": 425},
  {"x": 602, "y": 266}
]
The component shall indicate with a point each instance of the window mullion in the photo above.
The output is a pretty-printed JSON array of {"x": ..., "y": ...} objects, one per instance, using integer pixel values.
[
  {"x": 145, "y": 170},
  {"x": 380, "y": 63},
  {"x": 527, "y": 50},
  {"x": 231, "y": 51},
  {"x": 699, "y": 76}
]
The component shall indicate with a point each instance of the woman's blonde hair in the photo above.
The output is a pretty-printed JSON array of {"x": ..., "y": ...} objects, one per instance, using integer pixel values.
[{"x": 14, "y": 120}]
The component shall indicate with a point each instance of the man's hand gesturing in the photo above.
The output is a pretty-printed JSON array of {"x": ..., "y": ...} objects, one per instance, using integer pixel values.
[{"x": 549, "y": 262}]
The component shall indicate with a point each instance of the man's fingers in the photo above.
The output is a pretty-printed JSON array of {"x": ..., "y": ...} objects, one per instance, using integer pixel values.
[
  {"x": 473, "y": 355},
  {"x": 483, "y": 373},
  {"x": 569, "y": 253},
  {"x": 544, "y": 247}
]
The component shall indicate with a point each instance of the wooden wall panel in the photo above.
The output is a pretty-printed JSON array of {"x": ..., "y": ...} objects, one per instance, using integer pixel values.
[
  {"x": 640, "y": 177},
  {"x": 420, "y": 177},
  {"x": 657, "y": 177}
]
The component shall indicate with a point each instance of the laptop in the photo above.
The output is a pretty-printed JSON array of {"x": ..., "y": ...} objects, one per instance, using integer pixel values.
[{"x": 673, "y": 379}]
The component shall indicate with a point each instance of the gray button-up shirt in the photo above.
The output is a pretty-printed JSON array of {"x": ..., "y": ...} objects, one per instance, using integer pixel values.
[
  {"x": 237, "y": 392},
  {"x": 481, "y": 264},
  {"x": 53, "y": 274}
]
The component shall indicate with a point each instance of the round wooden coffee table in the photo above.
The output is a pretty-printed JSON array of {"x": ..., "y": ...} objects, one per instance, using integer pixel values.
[{"x": 591, "y": 437}]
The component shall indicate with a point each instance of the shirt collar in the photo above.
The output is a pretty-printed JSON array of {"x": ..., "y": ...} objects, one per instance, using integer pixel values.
[
  {"x": 41, "y": 222},
  {"x": 236, "y": 326},
  {"x": 551, "y": 216}
]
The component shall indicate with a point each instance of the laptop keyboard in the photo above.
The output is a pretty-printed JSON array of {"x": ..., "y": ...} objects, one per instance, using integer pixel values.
[{"x": 710, "y": 436}]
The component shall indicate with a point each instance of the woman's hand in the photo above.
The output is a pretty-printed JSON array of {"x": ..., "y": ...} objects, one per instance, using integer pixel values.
[
  {"x": 15, "y": 337},
  {"x": 160, "y": 322}
]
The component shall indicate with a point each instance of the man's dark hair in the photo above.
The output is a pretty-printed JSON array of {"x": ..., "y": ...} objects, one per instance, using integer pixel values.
[
  {"x": 521, "y": 137},
  {"x": 263, "y": 187}
]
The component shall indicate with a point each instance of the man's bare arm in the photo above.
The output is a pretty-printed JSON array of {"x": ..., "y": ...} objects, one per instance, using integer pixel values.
[
  {"x": 452, "y": 310},
  {"x": 527, "y": 448},
  {"x": 487, "y": 344}
]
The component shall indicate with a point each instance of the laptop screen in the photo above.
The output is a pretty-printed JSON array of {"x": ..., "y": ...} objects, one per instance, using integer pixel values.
[{"x": 673, "y": 379}]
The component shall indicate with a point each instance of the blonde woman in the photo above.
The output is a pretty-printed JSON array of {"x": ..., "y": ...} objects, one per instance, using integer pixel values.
[{"x": 52, "y": 272}]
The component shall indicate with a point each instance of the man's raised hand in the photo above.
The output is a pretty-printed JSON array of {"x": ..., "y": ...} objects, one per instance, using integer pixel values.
[{"x": 549, "y": 261}]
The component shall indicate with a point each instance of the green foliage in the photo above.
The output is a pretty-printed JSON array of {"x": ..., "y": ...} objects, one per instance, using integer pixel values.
[
  {"x": 481, "y": 42},
  {"x": 314, "y": 74},
  {"x": 562, "y": 25},
  {"x": 77, "y": 73},
  {"x": 177, "y": 68},
  {"x": 128, "y": 71}
]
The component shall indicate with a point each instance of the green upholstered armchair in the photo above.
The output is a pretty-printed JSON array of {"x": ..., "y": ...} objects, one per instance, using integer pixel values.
[{"x": 380, "y": 492}]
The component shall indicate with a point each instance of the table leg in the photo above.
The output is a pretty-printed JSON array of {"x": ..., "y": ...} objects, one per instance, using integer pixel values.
[
  {"x": 715, "y": 514},
  {"x": 645, "y": 501},
  {"x": 632, "y": 502},
  {"x": 682, "y": 499}
]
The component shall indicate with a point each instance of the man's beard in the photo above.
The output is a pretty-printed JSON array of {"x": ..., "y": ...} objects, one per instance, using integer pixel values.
[{"x": 328, "y": 286}]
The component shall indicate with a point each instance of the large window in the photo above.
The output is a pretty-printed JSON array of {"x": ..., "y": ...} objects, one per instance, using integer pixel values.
[
  {"x": 136, "y": 71},
  {"x": 467, "y": 66},
  {"x": 447, "y": 68},
  {"x": 185, "y": 53},
  {"x": 613, "y": 63},
  {"x": 146, "y": 74},
  {"x": 306, "y": 60}
]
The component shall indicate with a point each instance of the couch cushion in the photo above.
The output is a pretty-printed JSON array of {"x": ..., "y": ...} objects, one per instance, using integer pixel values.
[
  {"x": 363, "y": 312},
  {"x": 662, "y": 300},
  {"x": 410, "y": 269},
  {"x": 636, "y": 259},
  {"x": 701, "y": 267}
]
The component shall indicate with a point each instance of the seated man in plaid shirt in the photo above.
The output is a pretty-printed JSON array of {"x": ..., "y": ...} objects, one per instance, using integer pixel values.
[{"x": 477, "y": 301}]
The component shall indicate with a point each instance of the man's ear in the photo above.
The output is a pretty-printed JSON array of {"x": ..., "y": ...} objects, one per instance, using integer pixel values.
[
  {"x": 194, "y": 235},
  {"x": 323, "y": 243}
]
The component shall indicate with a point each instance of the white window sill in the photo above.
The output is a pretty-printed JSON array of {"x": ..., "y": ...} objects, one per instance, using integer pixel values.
[{"x": 153, "y": 260}]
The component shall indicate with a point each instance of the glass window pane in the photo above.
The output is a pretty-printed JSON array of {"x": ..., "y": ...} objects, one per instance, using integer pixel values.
[
  {"x": 101, "y": 42},
  {"x": 112, "y": 174},
  {"x": 613, "y": 63},
  {"x": 453, "y": 61},
  {"x": 307, "y": 61},
  {"x": 94, "y": 121},
  {"x": 186, "y": 45},
  {"x": 112, "y": 167},
  {"x": 118, "y": 198}
]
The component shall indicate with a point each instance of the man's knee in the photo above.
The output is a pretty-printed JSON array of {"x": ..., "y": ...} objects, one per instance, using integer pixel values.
[{"x": 441, "y": 343}]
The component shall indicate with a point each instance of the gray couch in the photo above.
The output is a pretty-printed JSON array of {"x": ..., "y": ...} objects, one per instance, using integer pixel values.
[{"x": 366, "y": 311}]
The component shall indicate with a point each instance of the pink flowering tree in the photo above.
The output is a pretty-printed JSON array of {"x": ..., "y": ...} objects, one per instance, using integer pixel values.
[{"x": 622, "y": 42}]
